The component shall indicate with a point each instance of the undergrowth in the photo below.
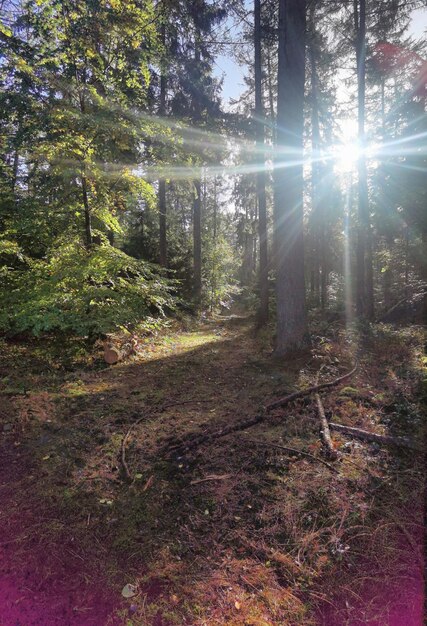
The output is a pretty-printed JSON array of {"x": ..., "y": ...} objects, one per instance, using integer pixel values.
[{"x": 236, "y": 532}]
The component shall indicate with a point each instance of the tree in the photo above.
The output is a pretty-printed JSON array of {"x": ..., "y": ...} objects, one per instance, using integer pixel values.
[
  {"x": 292, "y": 332},
  {"x": 162, "y": 181},
  {"x": 365, "y": 289},
  {"x": 260, "y": 176}
]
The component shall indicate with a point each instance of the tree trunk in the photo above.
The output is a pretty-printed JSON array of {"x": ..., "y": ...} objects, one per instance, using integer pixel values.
[
  {"x": 364, "y": 296},
  {"x": 316, "y": 174},
  {"x": 424, "y": 273},
  {"x": 15, "y": 166},
  {"x": 260, "y": 177},
  {"x": 162, "y": 222},
  {"x": 197, "y": 242},
  {"x": 288, "y": 192},
  {"x": 162, "y": 181},
  {"x": 88, "y": 216},
  {"x": 270, "y": 92}
]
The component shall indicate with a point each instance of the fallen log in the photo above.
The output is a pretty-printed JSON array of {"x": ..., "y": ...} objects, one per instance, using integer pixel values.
[
  {"x": 364, "y": 435},
  {"x": 306, "y": 392},
  {"x": 325, "y": 433},
  {"x": 412, "y": 301}
]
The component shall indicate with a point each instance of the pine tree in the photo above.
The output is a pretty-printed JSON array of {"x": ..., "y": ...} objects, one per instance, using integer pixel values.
[{"x": 292, "y": 331}]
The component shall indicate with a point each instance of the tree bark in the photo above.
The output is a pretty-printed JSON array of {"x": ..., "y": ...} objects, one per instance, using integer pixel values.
[
  {"x": 162, "y": 181},
  {"x": 316, "y": 174},
  {"x": 270, "y": 93},
  {"x": 292, "y": 331},
  {"x": 260, "y": 177},
  {"x": 364, "y": 283},
  {"x": 197, "y": 242},
  {"x": 87, "y": 213}
]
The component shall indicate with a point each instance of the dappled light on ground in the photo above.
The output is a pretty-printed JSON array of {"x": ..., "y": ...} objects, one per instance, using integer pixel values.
[{"x": 234, "y": 531}]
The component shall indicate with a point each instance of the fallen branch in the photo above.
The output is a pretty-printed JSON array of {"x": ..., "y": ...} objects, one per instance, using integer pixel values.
[
  {"x": 196, "y": 441},
  {"x": 364, "y": 435},
  {"x": 157, "y": 409},
  {"x": 294, "y": 451},
  {"x": 306, "y": 392},
  {"x": 211, "y": 477},
  {"x": 171, "y": 404},
  {"x": 415, "y": 297},
  {"x": 325, "y": 433}
]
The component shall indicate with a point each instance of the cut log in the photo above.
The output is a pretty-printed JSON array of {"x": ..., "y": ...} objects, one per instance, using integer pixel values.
[
  {"x": 364, "y": 435},
  {"x": 113, "y": 354}
]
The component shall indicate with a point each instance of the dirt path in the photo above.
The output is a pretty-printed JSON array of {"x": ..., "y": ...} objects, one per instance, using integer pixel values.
[{"x": 234, "y": 533}]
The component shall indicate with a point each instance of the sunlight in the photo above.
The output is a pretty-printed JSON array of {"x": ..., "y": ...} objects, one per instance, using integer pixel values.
[{"x": 345, "y": 156}]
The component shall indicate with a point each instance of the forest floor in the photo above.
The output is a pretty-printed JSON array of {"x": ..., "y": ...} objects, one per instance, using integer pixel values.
[{"x": 230, "y": 532}]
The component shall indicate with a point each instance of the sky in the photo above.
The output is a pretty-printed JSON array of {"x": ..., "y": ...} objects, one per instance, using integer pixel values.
[{"x": 232, "y": 73}]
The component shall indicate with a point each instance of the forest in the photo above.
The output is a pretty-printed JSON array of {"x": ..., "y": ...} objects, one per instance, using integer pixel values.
[{"x": 213, "y": 289}]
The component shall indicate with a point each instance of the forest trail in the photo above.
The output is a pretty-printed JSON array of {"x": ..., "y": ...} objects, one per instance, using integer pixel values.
[{"x": 234, "y": 533}]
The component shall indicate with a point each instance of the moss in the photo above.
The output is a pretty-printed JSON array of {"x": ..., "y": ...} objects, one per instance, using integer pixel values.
[{"x": 350, "y": 392}]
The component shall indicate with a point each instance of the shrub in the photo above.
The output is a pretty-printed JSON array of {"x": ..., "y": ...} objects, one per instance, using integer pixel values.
[{"x": 83, "y": 292}]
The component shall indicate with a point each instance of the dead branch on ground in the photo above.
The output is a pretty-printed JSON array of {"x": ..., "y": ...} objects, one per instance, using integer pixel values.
[
  {"x": 325, "y": 433},
  {"x": 306, "y": 392},
  {"x": 364, "y": 435}
]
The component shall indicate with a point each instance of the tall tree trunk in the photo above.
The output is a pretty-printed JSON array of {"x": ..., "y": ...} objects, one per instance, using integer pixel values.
[
  {"x": 270, "y": 91},
  {"x": 424, "y": 270},
  {"x": 260, "y": 177},
  {"x": 15, "y": 166},
  {"x": 87, "y": 213},
  {"x": 288, "y": 193},
  {"x": 365, "y": 294},
  {"x": 316, "y": 174},
  {"x": 162, "y": 181},
  {"x": 197, "y": 241}
]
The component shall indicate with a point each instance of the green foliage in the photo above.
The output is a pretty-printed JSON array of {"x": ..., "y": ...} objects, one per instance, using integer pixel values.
[
  {"x": 83, "y": 292},
  {"x": 219, "y": 269}
]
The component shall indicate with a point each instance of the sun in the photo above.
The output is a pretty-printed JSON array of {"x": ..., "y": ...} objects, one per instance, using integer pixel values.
[{"x": 345, "y": 156}]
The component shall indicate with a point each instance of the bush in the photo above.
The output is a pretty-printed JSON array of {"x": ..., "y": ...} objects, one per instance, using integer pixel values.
[{"x": 84, "y": 293}]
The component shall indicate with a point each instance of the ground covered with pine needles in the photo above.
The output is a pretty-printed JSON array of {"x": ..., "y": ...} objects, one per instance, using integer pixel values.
[{"x": 103, "y": 496}]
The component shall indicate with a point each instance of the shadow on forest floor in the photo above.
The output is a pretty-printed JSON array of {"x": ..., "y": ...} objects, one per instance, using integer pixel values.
[{"x": 235, "y": 533}]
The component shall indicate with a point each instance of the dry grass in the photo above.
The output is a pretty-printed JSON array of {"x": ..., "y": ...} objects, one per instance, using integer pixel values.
[{"x": 265, "y": 545}]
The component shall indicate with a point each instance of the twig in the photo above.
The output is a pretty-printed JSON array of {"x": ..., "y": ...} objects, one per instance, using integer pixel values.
[
  {"x": 123, "y": 448},
  {"x": 306, "y": 392},
  {"x": 211, "y": 477},
  {"x": 294, "y": 451},
  {"x": 167, "y": 406}
]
